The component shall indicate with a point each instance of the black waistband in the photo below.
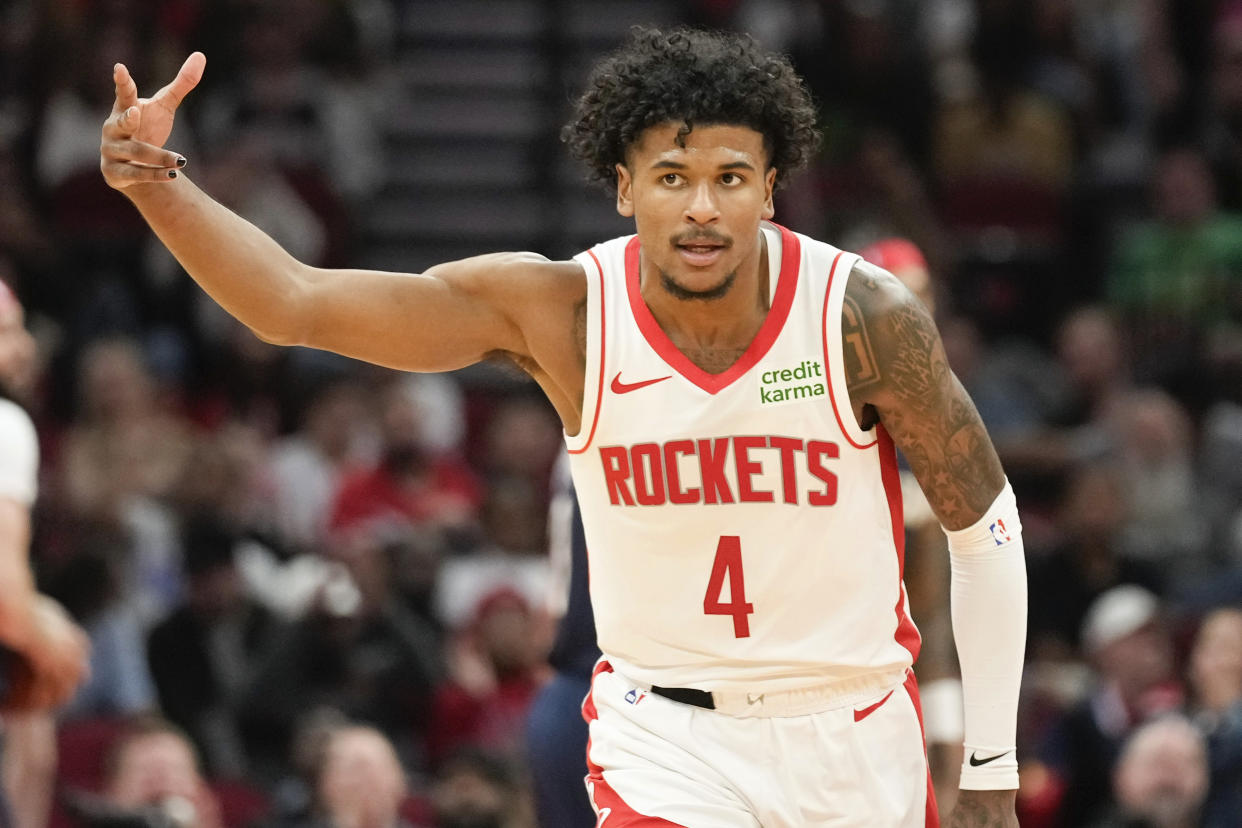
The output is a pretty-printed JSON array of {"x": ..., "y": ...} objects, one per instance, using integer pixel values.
[{"x": 686, "y": 695}]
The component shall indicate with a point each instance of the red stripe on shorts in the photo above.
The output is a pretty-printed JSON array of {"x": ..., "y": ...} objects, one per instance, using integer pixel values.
[
  {"x": 932, "y": 819},
  {"x": 611, "y": 809},
  {"x": 589, "y": 713},
  {"x": 614, "y": 813},
  {"x": 859, "y": 715}
]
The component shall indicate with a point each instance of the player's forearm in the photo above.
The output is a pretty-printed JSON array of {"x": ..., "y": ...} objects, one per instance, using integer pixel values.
[
  {"x": 236, "y": 263},
  {"x": 989, "y": 627},
  {"x": 18, "y": 627}
]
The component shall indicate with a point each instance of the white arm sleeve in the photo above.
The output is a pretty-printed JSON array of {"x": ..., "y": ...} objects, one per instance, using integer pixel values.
[
  {"x": 19, "y": 454},
  {"x": 988, "y": 596}
]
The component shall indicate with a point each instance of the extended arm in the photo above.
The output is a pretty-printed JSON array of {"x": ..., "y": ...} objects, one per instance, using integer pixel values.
[
  {"x": 909, "y": 388},
  {"x": 448, "y": 317}
]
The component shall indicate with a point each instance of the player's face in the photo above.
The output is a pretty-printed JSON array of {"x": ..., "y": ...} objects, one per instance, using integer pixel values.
[{"x": 697, "y": 206}]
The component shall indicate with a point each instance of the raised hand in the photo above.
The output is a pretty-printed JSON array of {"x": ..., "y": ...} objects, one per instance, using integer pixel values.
[{"x": 131, "y": 150}]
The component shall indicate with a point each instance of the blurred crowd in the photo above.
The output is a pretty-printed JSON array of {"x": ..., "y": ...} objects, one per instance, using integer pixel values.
[{"x": 316, "y": 589}]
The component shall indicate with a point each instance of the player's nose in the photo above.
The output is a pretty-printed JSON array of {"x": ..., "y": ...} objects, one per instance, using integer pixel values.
[{"x": 702, "y": 208}]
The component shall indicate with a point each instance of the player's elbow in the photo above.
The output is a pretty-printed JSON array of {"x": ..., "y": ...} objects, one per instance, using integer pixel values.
[
  {"x": 285, "y": 319},
  {"x": 276, "y": 336}
]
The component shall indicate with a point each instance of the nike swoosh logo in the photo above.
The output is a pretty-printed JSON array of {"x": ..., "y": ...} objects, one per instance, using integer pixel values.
[
  {"x": 619, "y": 387},
  {"x": 976, "y": 762},
  {"x": 859, "y": 715}
]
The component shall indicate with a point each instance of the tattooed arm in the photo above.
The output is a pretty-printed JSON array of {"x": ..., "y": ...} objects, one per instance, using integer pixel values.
[{"x": 898, "y": 376}]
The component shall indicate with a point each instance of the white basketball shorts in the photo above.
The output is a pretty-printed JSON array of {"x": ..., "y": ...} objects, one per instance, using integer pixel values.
[{"x": 657, "y": 762}]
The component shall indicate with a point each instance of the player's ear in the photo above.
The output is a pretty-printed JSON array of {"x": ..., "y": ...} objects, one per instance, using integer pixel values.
[
  {"x": 625, "y": 192},
  {"x": 769, "y": 185}
]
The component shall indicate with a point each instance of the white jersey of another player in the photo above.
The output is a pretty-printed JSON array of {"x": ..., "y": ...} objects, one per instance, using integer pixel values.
[{"x": 743, "y": 533}]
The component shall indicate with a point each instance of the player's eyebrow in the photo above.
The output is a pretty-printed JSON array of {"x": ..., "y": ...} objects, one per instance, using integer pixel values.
[{"x": 666, "y": 164}]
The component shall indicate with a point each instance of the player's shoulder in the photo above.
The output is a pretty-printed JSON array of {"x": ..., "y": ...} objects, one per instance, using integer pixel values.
[
  {"x": 514, "y": 277},
  {"x": 563, "y": 279},
  {"x": 526, "y": 264},
  {"x": 877, "y": 295}
]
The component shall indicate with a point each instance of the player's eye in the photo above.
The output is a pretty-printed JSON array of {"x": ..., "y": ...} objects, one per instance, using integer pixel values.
[
  {"x": 730, "y": 179},
  {"x": 671, "y": 179}
]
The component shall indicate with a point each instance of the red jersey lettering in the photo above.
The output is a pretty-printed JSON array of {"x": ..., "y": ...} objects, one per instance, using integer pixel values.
[
  {"x": 648, "y": 474},
  {"x": 616, "y": 461},
  {"x": 711, "y": 463},
  {"x": 816, "y": 451},
  {"x": 789, "y": 472},
  {"x": 676, "y": 494},
  {"x": 747, "y": 468}
]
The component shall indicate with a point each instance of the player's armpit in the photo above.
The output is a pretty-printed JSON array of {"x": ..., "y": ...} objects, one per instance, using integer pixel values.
[{"x": 902, "y": 375}]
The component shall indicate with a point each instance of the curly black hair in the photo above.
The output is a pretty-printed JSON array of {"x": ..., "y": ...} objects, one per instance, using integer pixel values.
[{"x": 697, "y": 77}]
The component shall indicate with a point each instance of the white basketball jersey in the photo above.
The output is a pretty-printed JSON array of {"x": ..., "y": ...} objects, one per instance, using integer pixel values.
[{"x": 743, "y": 533}]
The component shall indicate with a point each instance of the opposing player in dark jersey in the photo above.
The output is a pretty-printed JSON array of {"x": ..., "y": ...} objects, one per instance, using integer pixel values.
[{"x": 556, "y": 732}]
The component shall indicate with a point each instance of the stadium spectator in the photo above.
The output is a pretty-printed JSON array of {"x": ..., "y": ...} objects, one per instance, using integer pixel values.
[
  {"x": 152, "y": 778},
  {"x": 1127, "y": 640},
  {"x": 203, "y": 654},
  {"x": 1161, "y": 777},
  {"x": 494, "y": 674},
  {"x": 1215, "y": 679}
]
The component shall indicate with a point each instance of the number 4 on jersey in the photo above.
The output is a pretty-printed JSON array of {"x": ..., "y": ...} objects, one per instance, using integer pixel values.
[{"x": 729, "y": 563}]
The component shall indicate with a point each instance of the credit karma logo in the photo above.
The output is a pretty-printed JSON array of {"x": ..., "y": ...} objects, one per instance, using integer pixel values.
[{"x": 803, "y": 381}]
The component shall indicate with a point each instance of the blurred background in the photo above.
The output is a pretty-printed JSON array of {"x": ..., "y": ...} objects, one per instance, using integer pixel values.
[{"x": 295, "y": 567}]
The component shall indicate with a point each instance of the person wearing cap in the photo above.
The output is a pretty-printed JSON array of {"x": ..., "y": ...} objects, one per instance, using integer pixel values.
[
  {"x": 1126, "y": 641},
  {"x": 903, "y": 258},
  {"x": 44, "y": 652}
]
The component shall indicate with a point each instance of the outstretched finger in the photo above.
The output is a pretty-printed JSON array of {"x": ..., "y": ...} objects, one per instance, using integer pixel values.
[
  {"x": 121, "y": 174},
  {"x": 137, "y": 152},
  {"x": 126, "y": 89},
  {"x": 188, "y": 76}
]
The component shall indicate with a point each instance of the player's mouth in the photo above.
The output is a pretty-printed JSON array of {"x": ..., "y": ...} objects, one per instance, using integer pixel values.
[{"x": 701, "y": 252}]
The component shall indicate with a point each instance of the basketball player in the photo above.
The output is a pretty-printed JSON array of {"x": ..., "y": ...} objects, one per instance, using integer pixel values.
[
  {"x": 733, "y": 395},
  {"x": 44, "y": 654}
]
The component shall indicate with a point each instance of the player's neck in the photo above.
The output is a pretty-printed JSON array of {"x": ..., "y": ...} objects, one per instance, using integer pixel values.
[{"x": 727, "y": 322}]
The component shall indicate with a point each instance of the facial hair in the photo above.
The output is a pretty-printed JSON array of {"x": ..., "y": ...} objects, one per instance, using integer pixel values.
[{"x": 684, "y": 293}]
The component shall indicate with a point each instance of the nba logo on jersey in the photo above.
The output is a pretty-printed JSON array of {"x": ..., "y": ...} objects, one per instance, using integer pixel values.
[
  {"x": 635, "y": 696},
  {"x": 999, "y": 533}
]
